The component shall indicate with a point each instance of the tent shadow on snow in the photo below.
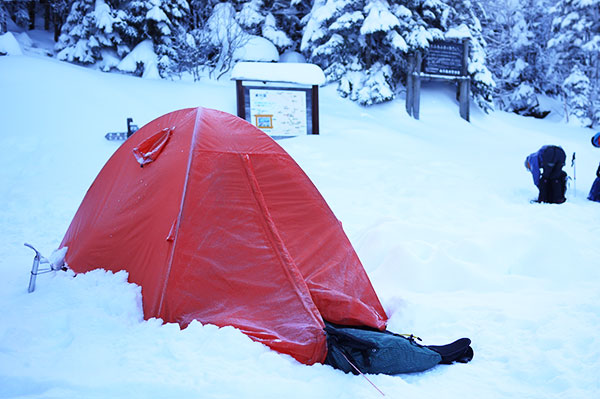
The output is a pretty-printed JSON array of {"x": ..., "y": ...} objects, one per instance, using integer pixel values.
[{"x": 217, "y": 223}]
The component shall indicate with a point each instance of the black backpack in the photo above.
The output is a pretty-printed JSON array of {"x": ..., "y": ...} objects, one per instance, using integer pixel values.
[{"x": 553, "y": 182}]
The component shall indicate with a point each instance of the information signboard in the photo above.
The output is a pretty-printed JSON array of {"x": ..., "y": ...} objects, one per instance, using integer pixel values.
[
  {"x": 280, "y": 98},
  {"x": 278, "y": 112},
  {"x": 444, "y": 58}
]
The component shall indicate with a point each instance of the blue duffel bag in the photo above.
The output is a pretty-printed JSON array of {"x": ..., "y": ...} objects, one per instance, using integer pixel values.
[{"x": 365, "y": 350}]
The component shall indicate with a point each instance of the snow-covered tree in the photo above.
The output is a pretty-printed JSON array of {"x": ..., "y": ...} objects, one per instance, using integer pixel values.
[
  {"x": 59, "y": 10},
  {"x": 166, "y": 26},
  {"x": 359, "y": 45},
  {"x": 364, "y": 45},
  {"x": 287, "y": 20},
  {"x": 516, "y": 33},
  {"x": 200, "y": 11},
  {"x": 18, "y": 11},
  {"x": 3, "y": 17},
  {"x": 226, "y": 34},
  {"x": 251, "y": 16},
  {"x": 195, "y": 53},
  {"x": 462, "y": 19},
  {"x": 576, "y": 63},
  {"x": 135, "y": 12},
  {"x": 165, "y": 23},
  {"x": 90, "y": 28},
  {"x": 276, "y": 20},
  {"x": 577, "y": 90}
]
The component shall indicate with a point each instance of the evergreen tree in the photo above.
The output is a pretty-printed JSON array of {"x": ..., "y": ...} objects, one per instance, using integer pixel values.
[
  {"x": 18, "y": 11},
  {"x": 276, "y": 20},
  {"x": 364, "y": 45},
  {"x": 465, "y": 16},
  {"x": 576, "y": 57},
  {"x": 251, "y": 16},
  {"x": 577, "y": 90},
  {"x": 358, "y": 45},
  {"x": 516, "y": 33},
  {"x": 165, "y": 23},
  {"x": 287, "y": 16},
  {"x": 166, "y": 26},
  {"x": 135, "y": 28},
  {"x": 3, "y": 17},
  {"x": 90, "y": 28},
  {"x": 59, "y": 10}
]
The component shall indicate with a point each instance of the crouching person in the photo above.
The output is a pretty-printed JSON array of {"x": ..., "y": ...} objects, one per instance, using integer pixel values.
[
  {"x": 546, "y": 166},
  {"x": 595, "y": 190}
]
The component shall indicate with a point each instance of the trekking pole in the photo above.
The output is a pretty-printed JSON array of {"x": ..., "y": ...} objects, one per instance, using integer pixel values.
[{"x": 574, "y": 166}]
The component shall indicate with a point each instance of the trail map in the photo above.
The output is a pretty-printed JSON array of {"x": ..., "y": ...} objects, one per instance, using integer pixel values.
[{"x": 278, "y": 112}]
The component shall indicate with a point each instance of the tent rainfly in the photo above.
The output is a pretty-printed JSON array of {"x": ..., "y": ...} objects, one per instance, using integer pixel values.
[{"x": 217, "y": 223}]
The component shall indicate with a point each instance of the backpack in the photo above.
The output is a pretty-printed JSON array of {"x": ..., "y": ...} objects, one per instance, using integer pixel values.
[
  {"x": 373, "y": 352},
  {"x": 553, "y": 182}
]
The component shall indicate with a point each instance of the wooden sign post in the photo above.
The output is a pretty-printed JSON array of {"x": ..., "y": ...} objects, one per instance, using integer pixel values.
[{"x": 445, "y": 60}]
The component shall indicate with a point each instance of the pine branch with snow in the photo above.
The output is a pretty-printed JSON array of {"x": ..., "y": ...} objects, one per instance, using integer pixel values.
[{"x": 575, "y": 45}]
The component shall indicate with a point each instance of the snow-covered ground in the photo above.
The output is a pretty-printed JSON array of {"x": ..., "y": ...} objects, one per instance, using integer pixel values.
[{"x": 437, "y": 209}]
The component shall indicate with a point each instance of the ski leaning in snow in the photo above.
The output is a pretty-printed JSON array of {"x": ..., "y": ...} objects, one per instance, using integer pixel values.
[{"x": 121, "y": 136}]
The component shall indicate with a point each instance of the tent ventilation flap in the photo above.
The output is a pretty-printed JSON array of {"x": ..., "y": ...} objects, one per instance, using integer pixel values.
[{"x": 149, "y": 150}]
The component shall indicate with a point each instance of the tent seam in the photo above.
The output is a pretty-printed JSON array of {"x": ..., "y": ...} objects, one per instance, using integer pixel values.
[
  {"x": 183, "y": 196},
  {"x": 273, "y": 236}
]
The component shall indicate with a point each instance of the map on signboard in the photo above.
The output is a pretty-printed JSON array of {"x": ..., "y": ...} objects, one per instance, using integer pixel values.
[{"x": 279, "y": 112}]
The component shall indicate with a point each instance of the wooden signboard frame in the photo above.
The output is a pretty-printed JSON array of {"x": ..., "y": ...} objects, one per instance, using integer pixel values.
[{"x": 445, "y": 60}]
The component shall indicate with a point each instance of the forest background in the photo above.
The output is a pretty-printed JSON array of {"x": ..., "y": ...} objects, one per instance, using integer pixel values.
[{"x": 520, "y": 51}]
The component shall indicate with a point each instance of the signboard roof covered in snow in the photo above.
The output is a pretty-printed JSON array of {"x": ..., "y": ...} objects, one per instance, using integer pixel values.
[{"x": 288, "y": 72}]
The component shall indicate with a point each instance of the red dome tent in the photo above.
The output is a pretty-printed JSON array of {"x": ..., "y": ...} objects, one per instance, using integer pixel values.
[{"x": 216, "y": 222}]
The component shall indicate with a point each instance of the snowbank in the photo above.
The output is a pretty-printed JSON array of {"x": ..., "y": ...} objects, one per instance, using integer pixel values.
[
  {"x": 437, "y": 209},
  {"x": 143, "y": 54},
  {"x": 289, "y": 72},
  {"x": 9, "y": 45},
  {"x": 258, "y": 49}
]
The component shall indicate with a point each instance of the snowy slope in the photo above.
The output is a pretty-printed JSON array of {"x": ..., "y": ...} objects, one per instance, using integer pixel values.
[{"x": 438, "y": 211}]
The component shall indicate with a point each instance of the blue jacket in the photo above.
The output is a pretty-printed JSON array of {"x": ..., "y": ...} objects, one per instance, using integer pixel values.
[
  {"x": 550, "y": 157},
  {"x": 532, "y": 163}
]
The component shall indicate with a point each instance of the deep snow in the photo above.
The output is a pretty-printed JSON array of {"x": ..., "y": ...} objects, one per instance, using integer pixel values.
[{"x": 437, "y": 209}]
